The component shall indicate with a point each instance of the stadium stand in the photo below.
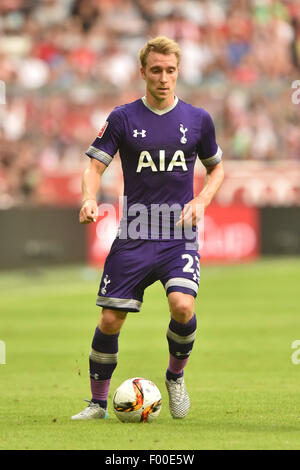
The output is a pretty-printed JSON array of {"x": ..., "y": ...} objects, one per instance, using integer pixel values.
[{"x": 66, "y": 64}]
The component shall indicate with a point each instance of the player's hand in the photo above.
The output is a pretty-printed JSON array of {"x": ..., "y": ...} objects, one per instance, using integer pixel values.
[
  {"x": 191, "y": 213},
  {"x": 88, "y": 212}
]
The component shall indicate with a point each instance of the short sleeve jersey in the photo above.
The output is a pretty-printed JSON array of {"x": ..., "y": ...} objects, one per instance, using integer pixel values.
[{"x": 158, "y": 150}]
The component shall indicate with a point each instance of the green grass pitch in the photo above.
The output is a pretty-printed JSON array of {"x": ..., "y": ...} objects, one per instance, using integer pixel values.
[{"x": 243, "y": 385}]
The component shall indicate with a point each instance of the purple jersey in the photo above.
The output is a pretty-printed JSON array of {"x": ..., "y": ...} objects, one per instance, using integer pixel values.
[{"x": 158, "y": 150}]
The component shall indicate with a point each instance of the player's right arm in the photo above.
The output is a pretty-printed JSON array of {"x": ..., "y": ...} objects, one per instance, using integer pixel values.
[{"x": 90, "y": 184}]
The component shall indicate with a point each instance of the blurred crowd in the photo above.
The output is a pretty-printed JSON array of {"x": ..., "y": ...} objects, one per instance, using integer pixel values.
[{"x": 64, "y": 64}]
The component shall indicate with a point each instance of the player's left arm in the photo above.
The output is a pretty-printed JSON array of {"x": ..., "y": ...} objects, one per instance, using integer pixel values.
[{"x": 195, "y": 208}]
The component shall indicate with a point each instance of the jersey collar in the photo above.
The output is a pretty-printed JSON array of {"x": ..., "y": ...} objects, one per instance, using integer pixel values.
[{"x": 160, "y": 111}]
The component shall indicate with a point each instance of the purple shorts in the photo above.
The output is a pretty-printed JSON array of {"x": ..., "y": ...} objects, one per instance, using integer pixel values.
[{"x": 133, "y": 265}]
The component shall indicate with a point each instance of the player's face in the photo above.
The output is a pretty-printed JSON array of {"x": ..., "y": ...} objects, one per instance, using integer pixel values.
[{"x": 160, "y": 75}]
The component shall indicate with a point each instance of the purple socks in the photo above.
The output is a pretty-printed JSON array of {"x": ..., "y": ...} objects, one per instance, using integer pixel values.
[
  {"x": 103, "y": 361},
  {"x": 103, "y": 357},
  {"x": 180, "y": 338}
]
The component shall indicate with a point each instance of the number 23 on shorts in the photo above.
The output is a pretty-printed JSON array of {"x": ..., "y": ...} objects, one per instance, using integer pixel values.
[{"x": 192, "y": 265}]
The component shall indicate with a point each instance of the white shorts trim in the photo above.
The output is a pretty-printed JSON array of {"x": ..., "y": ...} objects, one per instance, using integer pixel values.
[
  {"x": 182, "y": 282},
  {"x": 123, "y": 304}
]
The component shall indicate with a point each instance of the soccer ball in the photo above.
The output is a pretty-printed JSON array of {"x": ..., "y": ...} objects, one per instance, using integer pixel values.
[{"x": 137, "y": 400}]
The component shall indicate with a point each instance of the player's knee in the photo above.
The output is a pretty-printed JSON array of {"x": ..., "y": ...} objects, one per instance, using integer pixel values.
[
  {"x": 111, "y": 321},
  {"x": 182, "y": 309}
]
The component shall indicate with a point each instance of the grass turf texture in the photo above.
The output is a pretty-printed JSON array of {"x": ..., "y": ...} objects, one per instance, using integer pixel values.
[{"x": 243, "y": 385}]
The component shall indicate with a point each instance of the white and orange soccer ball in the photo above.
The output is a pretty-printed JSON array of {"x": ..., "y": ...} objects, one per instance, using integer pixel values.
[{"x": 137, "y": 400}]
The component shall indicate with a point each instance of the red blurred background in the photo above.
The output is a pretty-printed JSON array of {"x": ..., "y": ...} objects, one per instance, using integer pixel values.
[{"x": 65, "y": 64}]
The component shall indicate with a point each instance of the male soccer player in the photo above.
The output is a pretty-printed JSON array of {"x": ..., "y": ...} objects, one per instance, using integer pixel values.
[{"x": 159, "y": 138}]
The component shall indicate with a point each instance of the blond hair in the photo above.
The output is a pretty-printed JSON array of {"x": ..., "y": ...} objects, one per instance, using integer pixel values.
[{"x": 162, "y": 45}]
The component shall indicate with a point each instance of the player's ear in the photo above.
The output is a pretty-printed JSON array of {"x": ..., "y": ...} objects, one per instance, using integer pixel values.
[{"x": 143, "y": 73}]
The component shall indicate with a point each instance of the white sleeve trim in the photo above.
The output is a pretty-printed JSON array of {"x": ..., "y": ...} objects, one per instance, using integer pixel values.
[
  {"x": 211, "y": 161},
  {"x": 99, "y": 155}
]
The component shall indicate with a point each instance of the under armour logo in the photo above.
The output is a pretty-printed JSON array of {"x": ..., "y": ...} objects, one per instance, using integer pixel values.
[
  {"x": 95, "y": 376},
  {"x": 183, "y": 139},
  {"x": 179, "y": 354},
  {"x": 106, "y": 281},
  {"x": 142, "y": 133}
]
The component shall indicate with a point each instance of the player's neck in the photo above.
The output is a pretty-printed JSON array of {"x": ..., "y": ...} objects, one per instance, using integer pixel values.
[{"x": 160, "y": 104}]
